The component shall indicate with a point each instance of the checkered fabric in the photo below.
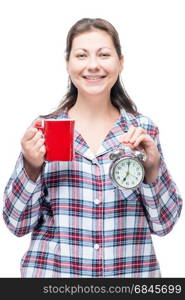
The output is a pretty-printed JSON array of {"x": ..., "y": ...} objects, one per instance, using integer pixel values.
[{"x": 81, "y": 224}]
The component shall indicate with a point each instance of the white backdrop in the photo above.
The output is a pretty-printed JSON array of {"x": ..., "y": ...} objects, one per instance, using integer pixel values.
[{"x": 33, "y": 79}]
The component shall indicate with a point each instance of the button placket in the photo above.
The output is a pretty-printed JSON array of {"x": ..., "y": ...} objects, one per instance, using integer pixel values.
[
  {"x": 97, "y": 201},
  {"x": 98, "y": 209},
  {"x": 96, "y": 246}
]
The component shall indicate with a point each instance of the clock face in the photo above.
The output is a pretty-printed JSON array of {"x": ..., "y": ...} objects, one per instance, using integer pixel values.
[{"x": 128, "y": 173}]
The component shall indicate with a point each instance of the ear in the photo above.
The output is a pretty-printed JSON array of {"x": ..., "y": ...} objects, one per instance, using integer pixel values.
[
  {"x": 67, "y": 65},
  {"x": 121, "y": 63}
]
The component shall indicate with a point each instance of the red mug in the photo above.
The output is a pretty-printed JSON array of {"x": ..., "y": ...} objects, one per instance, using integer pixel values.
[{"x": 59, "y": 138}]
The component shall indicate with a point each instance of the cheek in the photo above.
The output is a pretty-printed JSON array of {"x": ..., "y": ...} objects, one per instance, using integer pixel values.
[
  {"x": 75, "y": 67},
  {"x": 112, "y": 68},
  {"x": 72, "y": 71}
]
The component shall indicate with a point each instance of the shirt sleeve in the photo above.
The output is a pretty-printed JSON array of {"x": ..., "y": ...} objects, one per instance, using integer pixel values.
[
  {"x": 22, "y": 201},
  {"x": 161, "y": 199}
]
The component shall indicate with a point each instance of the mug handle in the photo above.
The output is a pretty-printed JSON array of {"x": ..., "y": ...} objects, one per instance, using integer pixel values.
[{"x": 39, "y": 124}]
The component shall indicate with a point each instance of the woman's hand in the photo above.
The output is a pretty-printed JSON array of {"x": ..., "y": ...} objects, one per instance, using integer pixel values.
[
  {"x": 33, "y": 150},
  {"x": 137, "y": 138}
]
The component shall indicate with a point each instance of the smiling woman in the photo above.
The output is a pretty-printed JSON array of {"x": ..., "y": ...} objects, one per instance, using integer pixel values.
[
  {"x": 108, "y": 48},
  {"x": 82, "y": 224},
  {"x": 94, "y": 69}
]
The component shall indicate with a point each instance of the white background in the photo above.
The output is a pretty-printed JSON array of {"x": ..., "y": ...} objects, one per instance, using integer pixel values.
[{"x": 33, "y": 79}]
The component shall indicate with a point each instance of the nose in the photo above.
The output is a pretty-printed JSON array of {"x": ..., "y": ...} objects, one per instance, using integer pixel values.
[{"x": 93, "y": 64}]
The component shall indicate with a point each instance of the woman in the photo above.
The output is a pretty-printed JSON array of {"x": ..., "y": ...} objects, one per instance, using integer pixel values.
[{"x": 81, "y": 224}]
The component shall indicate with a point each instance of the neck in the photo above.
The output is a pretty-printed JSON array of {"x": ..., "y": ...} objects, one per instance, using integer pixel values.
[{"x": 92, "y": 107}]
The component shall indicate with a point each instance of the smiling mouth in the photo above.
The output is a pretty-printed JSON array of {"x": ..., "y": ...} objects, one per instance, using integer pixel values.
[{"x": 94, "y": 77}]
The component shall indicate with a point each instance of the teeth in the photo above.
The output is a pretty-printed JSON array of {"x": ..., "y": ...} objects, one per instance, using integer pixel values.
[{"x": 93, "y": 78}]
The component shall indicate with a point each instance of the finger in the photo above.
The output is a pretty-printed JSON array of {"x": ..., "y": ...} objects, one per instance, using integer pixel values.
[
  {"x": 39, "y": 143},
  {"x": 139, "y": 131},
  {"x": 143, "y": 139},
  {"x": 42, "y": 150},
  {"x": 38, "y": 151},
  {"x": 130, "y": 133},
  {"x": 127, "y": 136},
  {"x": 30, "y": 133},
  {"x": 32, "y": 142}
]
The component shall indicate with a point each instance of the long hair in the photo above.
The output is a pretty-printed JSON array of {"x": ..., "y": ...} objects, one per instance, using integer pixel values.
[{"x": 118, "y": 95}]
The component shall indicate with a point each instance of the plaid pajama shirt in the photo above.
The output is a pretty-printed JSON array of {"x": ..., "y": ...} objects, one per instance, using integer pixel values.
[{"x": 82, "y": 225}]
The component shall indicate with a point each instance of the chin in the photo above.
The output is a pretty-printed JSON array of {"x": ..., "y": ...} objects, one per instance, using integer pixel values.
[{"x": 95, "y": 91}]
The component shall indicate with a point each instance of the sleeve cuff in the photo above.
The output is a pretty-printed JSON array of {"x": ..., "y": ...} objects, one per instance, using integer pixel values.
[
  {"x": 162, "y": 170},
  {"x": 20, "y": 173},
  {"x": 150, "y": 191}
]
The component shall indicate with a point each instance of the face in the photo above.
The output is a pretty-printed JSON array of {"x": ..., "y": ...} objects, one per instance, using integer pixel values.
[{"x": 94, "y": 65}]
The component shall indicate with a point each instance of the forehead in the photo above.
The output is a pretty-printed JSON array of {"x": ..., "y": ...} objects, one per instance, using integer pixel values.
[{"x": 92, "y": 40}]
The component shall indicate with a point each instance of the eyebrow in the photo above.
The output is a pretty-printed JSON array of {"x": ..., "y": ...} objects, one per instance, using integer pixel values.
[{"x": 87, "y": 50}]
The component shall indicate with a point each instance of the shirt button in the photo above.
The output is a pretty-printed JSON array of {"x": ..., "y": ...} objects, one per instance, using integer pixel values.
[
  {"x": 95, "y": 161},
  {"x": 96, "y": 201},
  {"x": 96, "y": 246}
]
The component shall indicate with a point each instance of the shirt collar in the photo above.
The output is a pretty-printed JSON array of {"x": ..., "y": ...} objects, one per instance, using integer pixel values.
[{"x": 112, "y": 139}]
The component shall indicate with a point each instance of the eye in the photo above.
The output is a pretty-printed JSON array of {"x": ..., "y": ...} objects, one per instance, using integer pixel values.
[
  {"x": 81, "y": 55},
  {"x": 104, "y": 54}
]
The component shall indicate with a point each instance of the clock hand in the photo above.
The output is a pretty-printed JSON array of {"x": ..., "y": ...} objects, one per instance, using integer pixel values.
[
  {"x": 133, "y": 176},
  {"x": 126, "y": 175},
  {"x": 128, "y": 164}
]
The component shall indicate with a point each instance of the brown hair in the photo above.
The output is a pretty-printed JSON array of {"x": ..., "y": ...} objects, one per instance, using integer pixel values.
[{"x": 119, "y": 97}]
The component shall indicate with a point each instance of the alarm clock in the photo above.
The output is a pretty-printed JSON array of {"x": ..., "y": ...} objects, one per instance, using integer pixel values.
[{"x": 126, "y": 169}]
